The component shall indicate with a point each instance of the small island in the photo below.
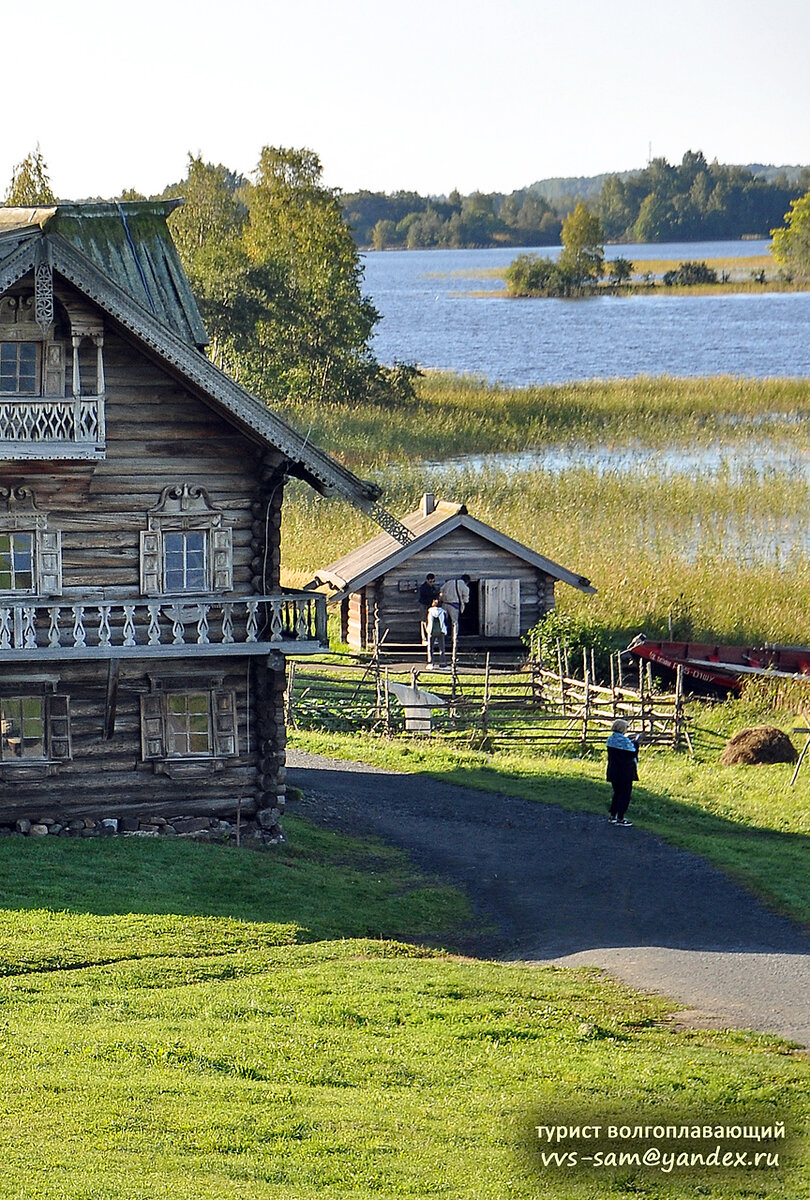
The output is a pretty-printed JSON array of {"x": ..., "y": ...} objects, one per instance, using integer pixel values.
[{"x": 581, "y": 270}]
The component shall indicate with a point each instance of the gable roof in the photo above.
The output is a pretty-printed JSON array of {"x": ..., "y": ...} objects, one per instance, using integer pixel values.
[
  {"x": 168, "y": 326},
  {"x": 366, "y": 563},
  {"x": 131, "y": 244}
]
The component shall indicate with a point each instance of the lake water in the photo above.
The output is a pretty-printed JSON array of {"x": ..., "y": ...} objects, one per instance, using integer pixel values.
[{"x": 432, "y": 316}]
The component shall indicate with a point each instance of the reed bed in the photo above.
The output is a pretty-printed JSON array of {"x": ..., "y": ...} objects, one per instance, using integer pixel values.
[
  {"x": 454, "y": 415},
  {"x": 709, "y": 554}
]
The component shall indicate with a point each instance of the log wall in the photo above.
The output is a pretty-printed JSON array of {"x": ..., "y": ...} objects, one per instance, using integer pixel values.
[
  {"x": 460, "y": 552},
  {"x": 159, "y": 434},
  {"x": 110, "y": 776}
]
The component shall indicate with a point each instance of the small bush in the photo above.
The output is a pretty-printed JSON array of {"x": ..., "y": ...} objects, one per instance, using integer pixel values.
[
  {"x": 574, "y": 634},
  {"x": 689, "y": 273}
]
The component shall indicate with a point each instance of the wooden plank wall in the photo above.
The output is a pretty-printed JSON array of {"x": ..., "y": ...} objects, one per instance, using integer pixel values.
[
  {"x": 460, "y": 552},
  {"x": 159, "y": 434}
]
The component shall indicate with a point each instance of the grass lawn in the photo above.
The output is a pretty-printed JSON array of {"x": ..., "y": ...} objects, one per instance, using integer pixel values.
[{"x": 201, "y": 1022}]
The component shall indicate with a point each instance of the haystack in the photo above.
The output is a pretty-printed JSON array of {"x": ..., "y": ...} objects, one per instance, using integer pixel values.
[{"x": 762, "y": 744}]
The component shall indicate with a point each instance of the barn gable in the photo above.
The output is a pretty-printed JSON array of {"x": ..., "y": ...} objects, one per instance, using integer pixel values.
[{"x": 377, "y": 583}]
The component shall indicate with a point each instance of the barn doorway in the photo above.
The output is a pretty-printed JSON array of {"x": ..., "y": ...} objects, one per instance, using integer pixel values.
[{"x": 469, "y": 624}]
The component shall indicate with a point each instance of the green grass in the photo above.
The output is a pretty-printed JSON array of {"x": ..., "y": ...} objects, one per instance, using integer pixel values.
[
  {"x": 176, "y": 1031},
  {"x": 747, "y": 821}
]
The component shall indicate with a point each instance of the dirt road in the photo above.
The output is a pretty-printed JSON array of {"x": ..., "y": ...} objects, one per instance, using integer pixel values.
[{"x": 568, "y": 888}]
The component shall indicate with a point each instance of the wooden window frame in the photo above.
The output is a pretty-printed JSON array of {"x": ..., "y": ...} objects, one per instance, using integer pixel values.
[
  {"x": 156, "y": 735},
  {"x": 56, "y": 727},
  {"x": 183, "y": 510},
  {"x": 20, "y": 515}
]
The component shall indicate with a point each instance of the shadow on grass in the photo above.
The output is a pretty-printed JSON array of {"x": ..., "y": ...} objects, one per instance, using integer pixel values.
[{"x": 317, "y": 886}]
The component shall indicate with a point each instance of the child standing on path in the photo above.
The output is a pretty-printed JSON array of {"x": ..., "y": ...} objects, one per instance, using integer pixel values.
[{"x": 622, "y": 770}]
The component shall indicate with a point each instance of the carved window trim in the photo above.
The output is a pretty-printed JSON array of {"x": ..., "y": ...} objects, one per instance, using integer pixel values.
[
  {"x": 164, "y": 726},
  {"x": 19, "y": 514},
  {"x": 184, "y": 509},
  {"x": 18, "y": 693}
]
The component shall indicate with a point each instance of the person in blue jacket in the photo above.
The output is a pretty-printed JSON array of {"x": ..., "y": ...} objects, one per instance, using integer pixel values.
[{"x": 622, "y": 770}]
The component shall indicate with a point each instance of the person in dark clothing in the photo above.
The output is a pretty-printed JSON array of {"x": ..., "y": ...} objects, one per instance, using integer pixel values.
[
  {"x": 428, "y": 592},
  {"x": 622, "y": 771}
]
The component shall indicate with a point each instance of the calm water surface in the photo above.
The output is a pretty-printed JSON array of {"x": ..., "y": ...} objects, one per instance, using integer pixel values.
[{"x": 431, "y": 315}]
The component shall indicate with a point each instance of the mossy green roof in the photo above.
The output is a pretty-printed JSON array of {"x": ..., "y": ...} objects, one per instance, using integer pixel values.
[{"x": 130, "y": 242}]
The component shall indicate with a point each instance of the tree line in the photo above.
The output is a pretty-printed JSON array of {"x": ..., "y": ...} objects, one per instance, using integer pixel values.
[
  {"x": 276, "y": 273},
  {"x": 692, "y": 201}
]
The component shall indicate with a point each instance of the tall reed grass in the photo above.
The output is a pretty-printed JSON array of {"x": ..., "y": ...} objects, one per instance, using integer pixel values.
[{"x": 724, "y": 555}]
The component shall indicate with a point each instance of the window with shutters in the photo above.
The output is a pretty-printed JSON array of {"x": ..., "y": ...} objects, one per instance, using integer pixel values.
[
  {"x": 30, "y": 553},
  {"x": 34, "y": 728},
  {"x": 187, "y": 725},
  {"x": 186, "y": 548}
]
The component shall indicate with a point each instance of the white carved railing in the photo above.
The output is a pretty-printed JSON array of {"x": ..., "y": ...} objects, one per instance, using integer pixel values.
[
  {"x": 186, "y": 626},
  {"x": 55, "y": 423}
]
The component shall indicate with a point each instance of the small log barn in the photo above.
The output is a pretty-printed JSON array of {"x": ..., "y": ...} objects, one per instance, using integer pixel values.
[
  {"x": 142, "y": 626},
  {"x": 377, "y": 584}
]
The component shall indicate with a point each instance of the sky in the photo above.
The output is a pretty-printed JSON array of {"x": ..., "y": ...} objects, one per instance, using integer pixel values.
[{"x": 428, "y": 95}]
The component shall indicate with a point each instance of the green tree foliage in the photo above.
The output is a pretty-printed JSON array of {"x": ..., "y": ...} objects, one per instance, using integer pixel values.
[
  {"x": 689, "y": 273},
  {"x": 30, "y": 182},
  {"x": 621, "y": 270},
  {"x": 407, "y": 220},
  {"x": 791, "y": 242},
  {"x": 314, "y": 337},
  {"x": 530, "y": 275},
  {"x": 279, "y": 279},
  {"x": 692, "y": 201},
  {"x": 583, "y": 254},
  {"x": 208, "y": 231},
  {"x": 560, "y": 636}
]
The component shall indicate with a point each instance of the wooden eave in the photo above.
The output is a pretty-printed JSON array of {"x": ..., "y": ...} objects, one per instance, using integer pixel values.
[
  {"x": 373, "y": 559},
  {"x": 244, "y": 410},
  {"x": 130, "y": 243}
]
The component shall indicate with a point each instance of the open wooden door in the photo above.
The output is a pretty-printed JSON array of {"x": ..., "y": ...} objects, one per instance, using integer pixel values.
[{"x": 501, "y": 615}]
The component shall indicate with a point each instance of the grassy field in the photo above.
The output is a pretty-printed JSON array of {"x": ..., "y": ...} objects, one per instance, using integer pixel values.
[{"x": 203, "y": 1023}]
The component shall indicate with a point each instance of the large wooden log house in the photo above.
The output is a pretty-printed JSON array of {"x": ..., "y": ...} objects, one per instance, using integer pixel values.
[{"x": 142, "y": 625}]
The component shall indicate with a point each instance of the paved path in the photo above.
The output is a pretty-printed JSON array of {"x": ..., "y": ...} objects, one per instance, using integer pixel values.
[{"x": 569, "y": 888}]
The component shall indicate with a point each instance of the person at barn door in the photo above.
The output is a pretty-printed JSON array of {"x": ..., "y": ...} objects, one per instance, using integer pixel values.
[
  {"x": 436, "y": 628},
  {"x": 455, "y": 596}
]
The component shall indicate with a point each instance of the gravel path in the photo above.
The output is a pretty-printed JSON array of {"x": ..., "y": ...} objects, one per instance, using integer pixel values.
[{"x": 568, "y": 888}]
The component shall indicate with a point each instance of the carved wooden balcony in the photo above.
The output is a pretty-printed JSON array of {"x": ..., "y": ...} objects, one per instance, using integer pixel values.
[
  {"x": 52, "y": 427},
  {"x": 187, "y": 627}
]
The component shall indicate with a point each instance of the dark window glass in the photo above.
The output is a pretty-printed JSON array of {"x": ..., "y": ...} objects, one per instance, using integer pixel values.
[
  {"x": 188, "y": 726},
  {"x": 22, "y": 728},
  {"x": 16, "y": 562},
  {"x": 18, "y": 367},
  {"x": 185, "y": 566}
]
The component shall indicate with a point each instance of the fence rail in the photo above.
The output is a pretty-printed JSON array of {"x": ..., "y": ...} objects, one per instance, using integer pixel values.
[{"x": 529, "y": 706}]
